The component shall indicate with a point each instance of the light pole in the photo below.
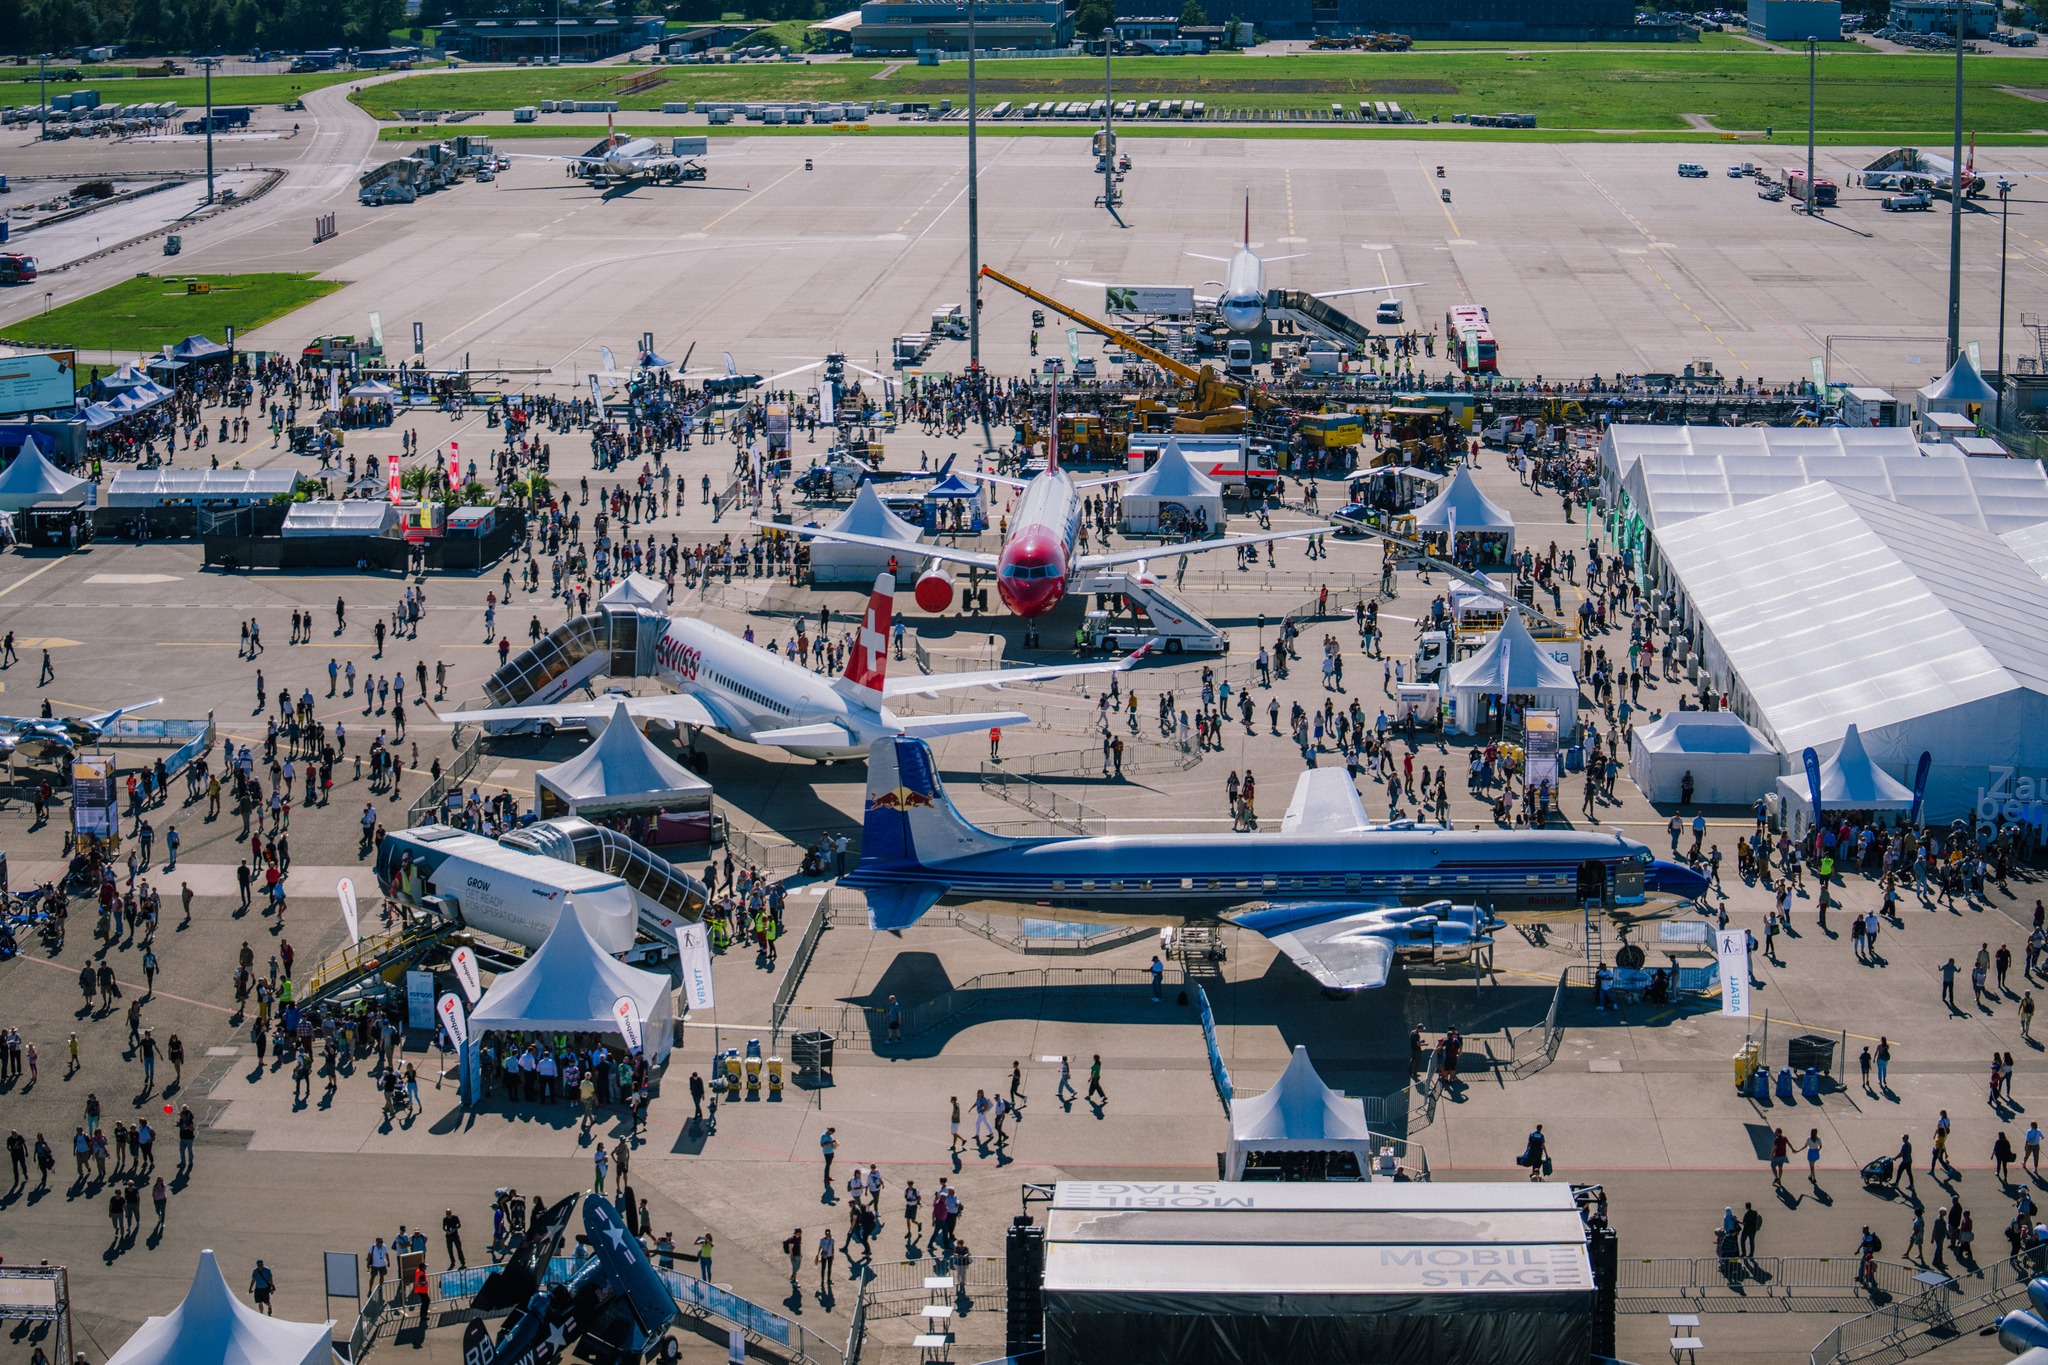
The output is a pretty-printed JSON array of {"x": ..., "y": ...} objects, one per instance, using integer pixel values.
[
  {"x": 2004, "y": 231},
  {"x": 1955, "y": 205},
  {"x": 1108, "y": 124},
  {"x": 209, "y": 63},
  {"x": 974, "y": 235},
  {"x": 1810, "y": 64},
  {"x": 42, "y": 96}
]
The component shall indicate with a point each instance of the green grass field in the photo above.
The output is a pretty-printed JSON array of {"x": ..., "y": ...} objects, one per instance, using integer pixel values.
[
  {"x": 189, "y": 91},
  {"x": 1860, "y": 92},
  {"x": 142, "y": 314}
]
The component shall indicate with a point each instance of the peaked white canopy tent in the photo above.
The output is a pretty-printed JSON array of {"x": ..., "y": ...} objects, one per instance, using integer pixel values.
[
  {"x": 570, "y": 985},
  {"x": 1299, "y": 1125},
  {"x": 213, "y": 1327},
  {"x": 1461, "y": 508},
  {"x": 1170, "y": 494},
  {"x": 1731, "y": 762},
  {"x": 835, "y": 561},
  {"x": 1962, "y": 391},
  {"x": 623, "y": 773},
  {"x": 1514, "y": 670},
  {"x": 32, "y": 479},
  {"x": 1849, "y": 780},
  {"x": 637, "y": 590}
]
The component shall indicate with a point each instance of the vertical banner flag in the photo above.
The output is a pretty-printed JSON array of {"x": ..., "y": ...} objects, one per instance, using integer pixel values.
[
  {"x": 610, "y": 366},
  {"x": 626, "y": 1015},
  {"x": 395, "y": 495},
  {"x": 1734, "y": 952},
  {"x": 1812, "y": 762},
  {"x": 466, "y": 974},
  {"x": 694, "y": 952},
  {"x": 346, "y": 889},
  {"x": 455, "y": 464},
  {"x": 1920, "y": 787},
  {"x": 453, "y": 1021}
]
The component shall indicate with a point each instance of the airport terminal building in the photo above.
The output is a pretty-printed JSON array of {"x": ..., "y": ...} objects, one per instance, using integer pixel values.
[
  {"x": 1531, "y": 20},
  {"x": 897, "y": 28}
]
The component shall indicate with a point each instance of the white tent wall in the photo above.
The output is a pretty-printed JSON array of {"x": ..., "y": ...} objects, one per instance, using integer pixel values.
[
  {"x": 1735, "y": 767},
  {"x": 1984, "y": 747},
  {"x": 839, "y": 562}
]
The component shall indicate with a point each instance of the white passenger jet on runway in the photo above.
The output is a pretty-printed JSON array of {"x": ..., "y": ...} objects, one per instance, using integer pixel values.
[{"x": 740, "y": 689}]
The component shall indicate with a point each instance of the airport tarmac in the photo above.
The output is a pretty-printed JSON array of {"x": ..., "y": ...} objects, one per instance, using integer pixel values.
[
  {"x": 1640, "y": 1101},
  {"x": 1588, "y": 258},
  {"x": 1593, "y": 256}
]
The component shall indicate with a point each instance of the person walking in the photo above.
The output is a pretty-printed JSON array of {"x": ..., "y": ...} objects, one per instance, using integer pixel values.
[
  {"x": 451, "y": 1236},
  {"x": 262, "y": 1284},
  {"x": 827, "y": 1250},
  {"x": 828, "y": 1147},
  {"x": 1095, "y": 1090},
  {"x": 793, "y": 1247},
  {"x": 1812, "y": 1156},
  {"x": 1752, "y": 1223},
  {"x": 705, "y": 1249},
  {"x": 954, "y": 1124}
]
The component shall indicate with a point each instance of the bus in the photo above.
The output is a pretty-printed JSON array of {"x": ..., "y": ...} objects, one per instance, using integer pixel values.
[
  {"x": 1467, "y": 331},
  {"x": 1823, "y": 188}
]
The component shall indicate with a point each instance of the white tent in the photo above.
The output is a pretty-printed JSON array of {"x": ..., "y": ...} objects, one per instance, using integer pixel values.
[
  {"x": 374, "y": 389},
  {"x": 158, "y": 487},
  {"x": 621, "y": 772},
  {"x": 32, "y": 479},
  {"x": 1822, "y": 607},
  {"x": 1512, "y": 666},
  {"x": 213, "y": 1327},
  {"x": 1731, "y": 763},
  {"x": 569, "y": 985},
  {"x": 1460, "y": 506},
  {"x": 637, "y": 590},
  {"x": 1962, "y": 390},
  {"x": 835, "y": 561},
  {"x": 1848, "y": 781},
  {"x": 1298, "y": 1115},
  {"x": 353, "y": 517},
  {"x": 1172, "y": 492}
]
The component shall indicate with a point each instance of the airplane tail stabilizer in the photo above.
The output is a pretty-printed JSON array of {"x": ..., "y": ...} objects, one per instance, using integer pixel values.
[
  {"x": 910, "y": 824},
  {"x": 867, "y": 658}
]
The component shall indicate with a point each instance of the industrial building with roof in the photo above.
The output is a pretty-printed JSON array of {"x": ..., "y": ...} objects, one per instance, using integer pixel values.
[
  {"x": 1521, "y": 20},
  {"x": 902, "y": 27}
]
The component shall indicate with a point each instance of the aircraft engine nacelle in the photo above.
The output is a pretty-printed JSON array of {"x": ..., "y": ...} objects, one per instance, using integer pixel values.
[
  {"x": 934, "y": 591},
  {"x": 2021, "y": 1331}
]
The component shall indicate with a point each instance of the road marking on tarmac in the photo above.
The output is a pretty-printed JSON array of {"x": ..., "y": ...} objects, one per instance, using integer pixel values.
[{"x": 31, "y": 578}]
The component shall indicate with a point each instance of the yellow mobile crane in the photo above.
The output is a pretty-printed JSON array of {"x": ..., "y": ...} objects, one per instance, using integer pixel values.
[{"x": 1212, "y": 404}]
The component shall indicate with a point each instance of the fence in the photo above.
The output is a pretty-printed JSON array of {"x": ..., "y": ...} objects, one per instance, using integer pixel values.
[
  {"x": 895, "y": 1291},
  {"x": 1767, "y": 1284},
  {"x": 1531, "y": 1049},
  {"x": 1062, "y": 812},
  {"x": 1140, "y": 756},
  {"x": 429, "y": 805},
  {"x": 1924, "y": 1320},
  {"x": 1218, "y": 1072},
  {"x": 369, "y": 1322},
  {"x": 800, "y": 961}
]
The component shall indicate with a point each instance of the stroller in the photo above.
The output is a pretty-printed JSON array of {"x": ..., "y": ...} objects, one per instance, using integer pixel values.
[{"x": 1877, "y": 1174}]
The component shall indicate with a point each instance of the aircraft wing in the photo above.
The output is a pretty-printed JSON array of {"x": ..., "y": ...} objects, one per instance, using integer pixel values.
[
  {"x": 1109, "y": 478},
  {"x": 106, "y": 718},
  {"x": 1340, "y": 953},
  {"x": 514, "y": 1282},
  {"x": 1368, "y": 289},
  {"x": 674, "y": 707},
  {"x": 1193, "y": 547},
  {"x": 931, "y": 684},
  {"x": 803, "y": 736},
  {"x": 1203, "y": 257},
  {"x": 625, "y": 1263},
  {"x": 1324, "y": 802},
  {"x": 916, "y": 549},
  {"x": 1003, "y": 479},
  {"x": 937, "y": 727}
]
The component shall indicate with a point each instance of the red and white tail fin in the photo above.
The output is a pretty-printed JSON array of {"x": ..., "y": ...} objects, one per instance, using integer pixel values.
[
  {"x": 611, "y": 134},
  {"x": 867, "y": 661}
]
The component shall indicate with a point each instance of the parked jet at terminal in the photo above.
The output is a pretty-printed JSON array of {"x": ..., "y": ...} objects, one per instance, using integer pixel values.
[
  {"x": 728, "y": 684},
  {"x": 628, "y": 159},
  {"x": 917, "y": 848}
]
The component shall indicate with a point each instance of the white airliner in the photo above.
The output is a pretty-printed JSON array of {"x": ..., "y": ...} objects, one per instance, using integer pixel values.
[
  {"x": 740, "y": 689},
  {"x": 1241, "y": 297},
  {"x": 639, "y": 158}
]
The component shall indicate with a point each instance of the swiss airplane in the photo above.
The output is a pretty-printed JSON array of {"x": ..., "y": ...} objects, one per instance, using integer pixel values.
[
  {"x": 1038, "y": 557},
  {"x": 639, "y": 158},
  {"x": 755, "y": 695}
]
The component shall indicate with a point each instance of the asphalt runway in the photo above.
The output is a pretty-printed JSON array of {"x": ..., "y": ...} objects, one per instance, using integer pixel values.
[{"x": 1590, "y": 259}]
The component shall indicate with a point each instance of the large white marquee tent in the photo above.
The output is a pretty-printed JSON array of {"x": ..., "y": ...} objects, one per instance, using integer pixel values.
[
  {"x": 837, "y": 561},
  {"x": 569, "y": 985},
  {"x": 213, "y": 1327},
  {"x": 1823, "y": 607}
]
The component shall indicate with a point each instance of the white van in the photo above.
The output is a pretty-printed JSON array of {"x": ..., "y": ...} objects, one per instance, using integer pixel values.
[
  {"x": 1390, "y": 314},
  {"x": 1238, "y": 358}
]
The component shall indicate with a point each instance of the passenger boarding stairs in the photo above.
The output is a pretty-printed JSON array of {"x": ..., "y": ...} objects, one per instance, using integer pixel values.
[
  {"x": 1177, "y": 627},
  {"x": 616, "y": 642},
  {"x": 666, "y": 895},
  {"x": 1310, "y": 314}
]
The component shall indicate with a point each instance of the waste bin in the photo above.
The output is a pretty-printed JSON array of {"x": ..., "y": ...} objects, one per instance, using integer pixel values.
[
  {"x": 1811, "y": 1050},
  {"x": 811, "y": 1052}
]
